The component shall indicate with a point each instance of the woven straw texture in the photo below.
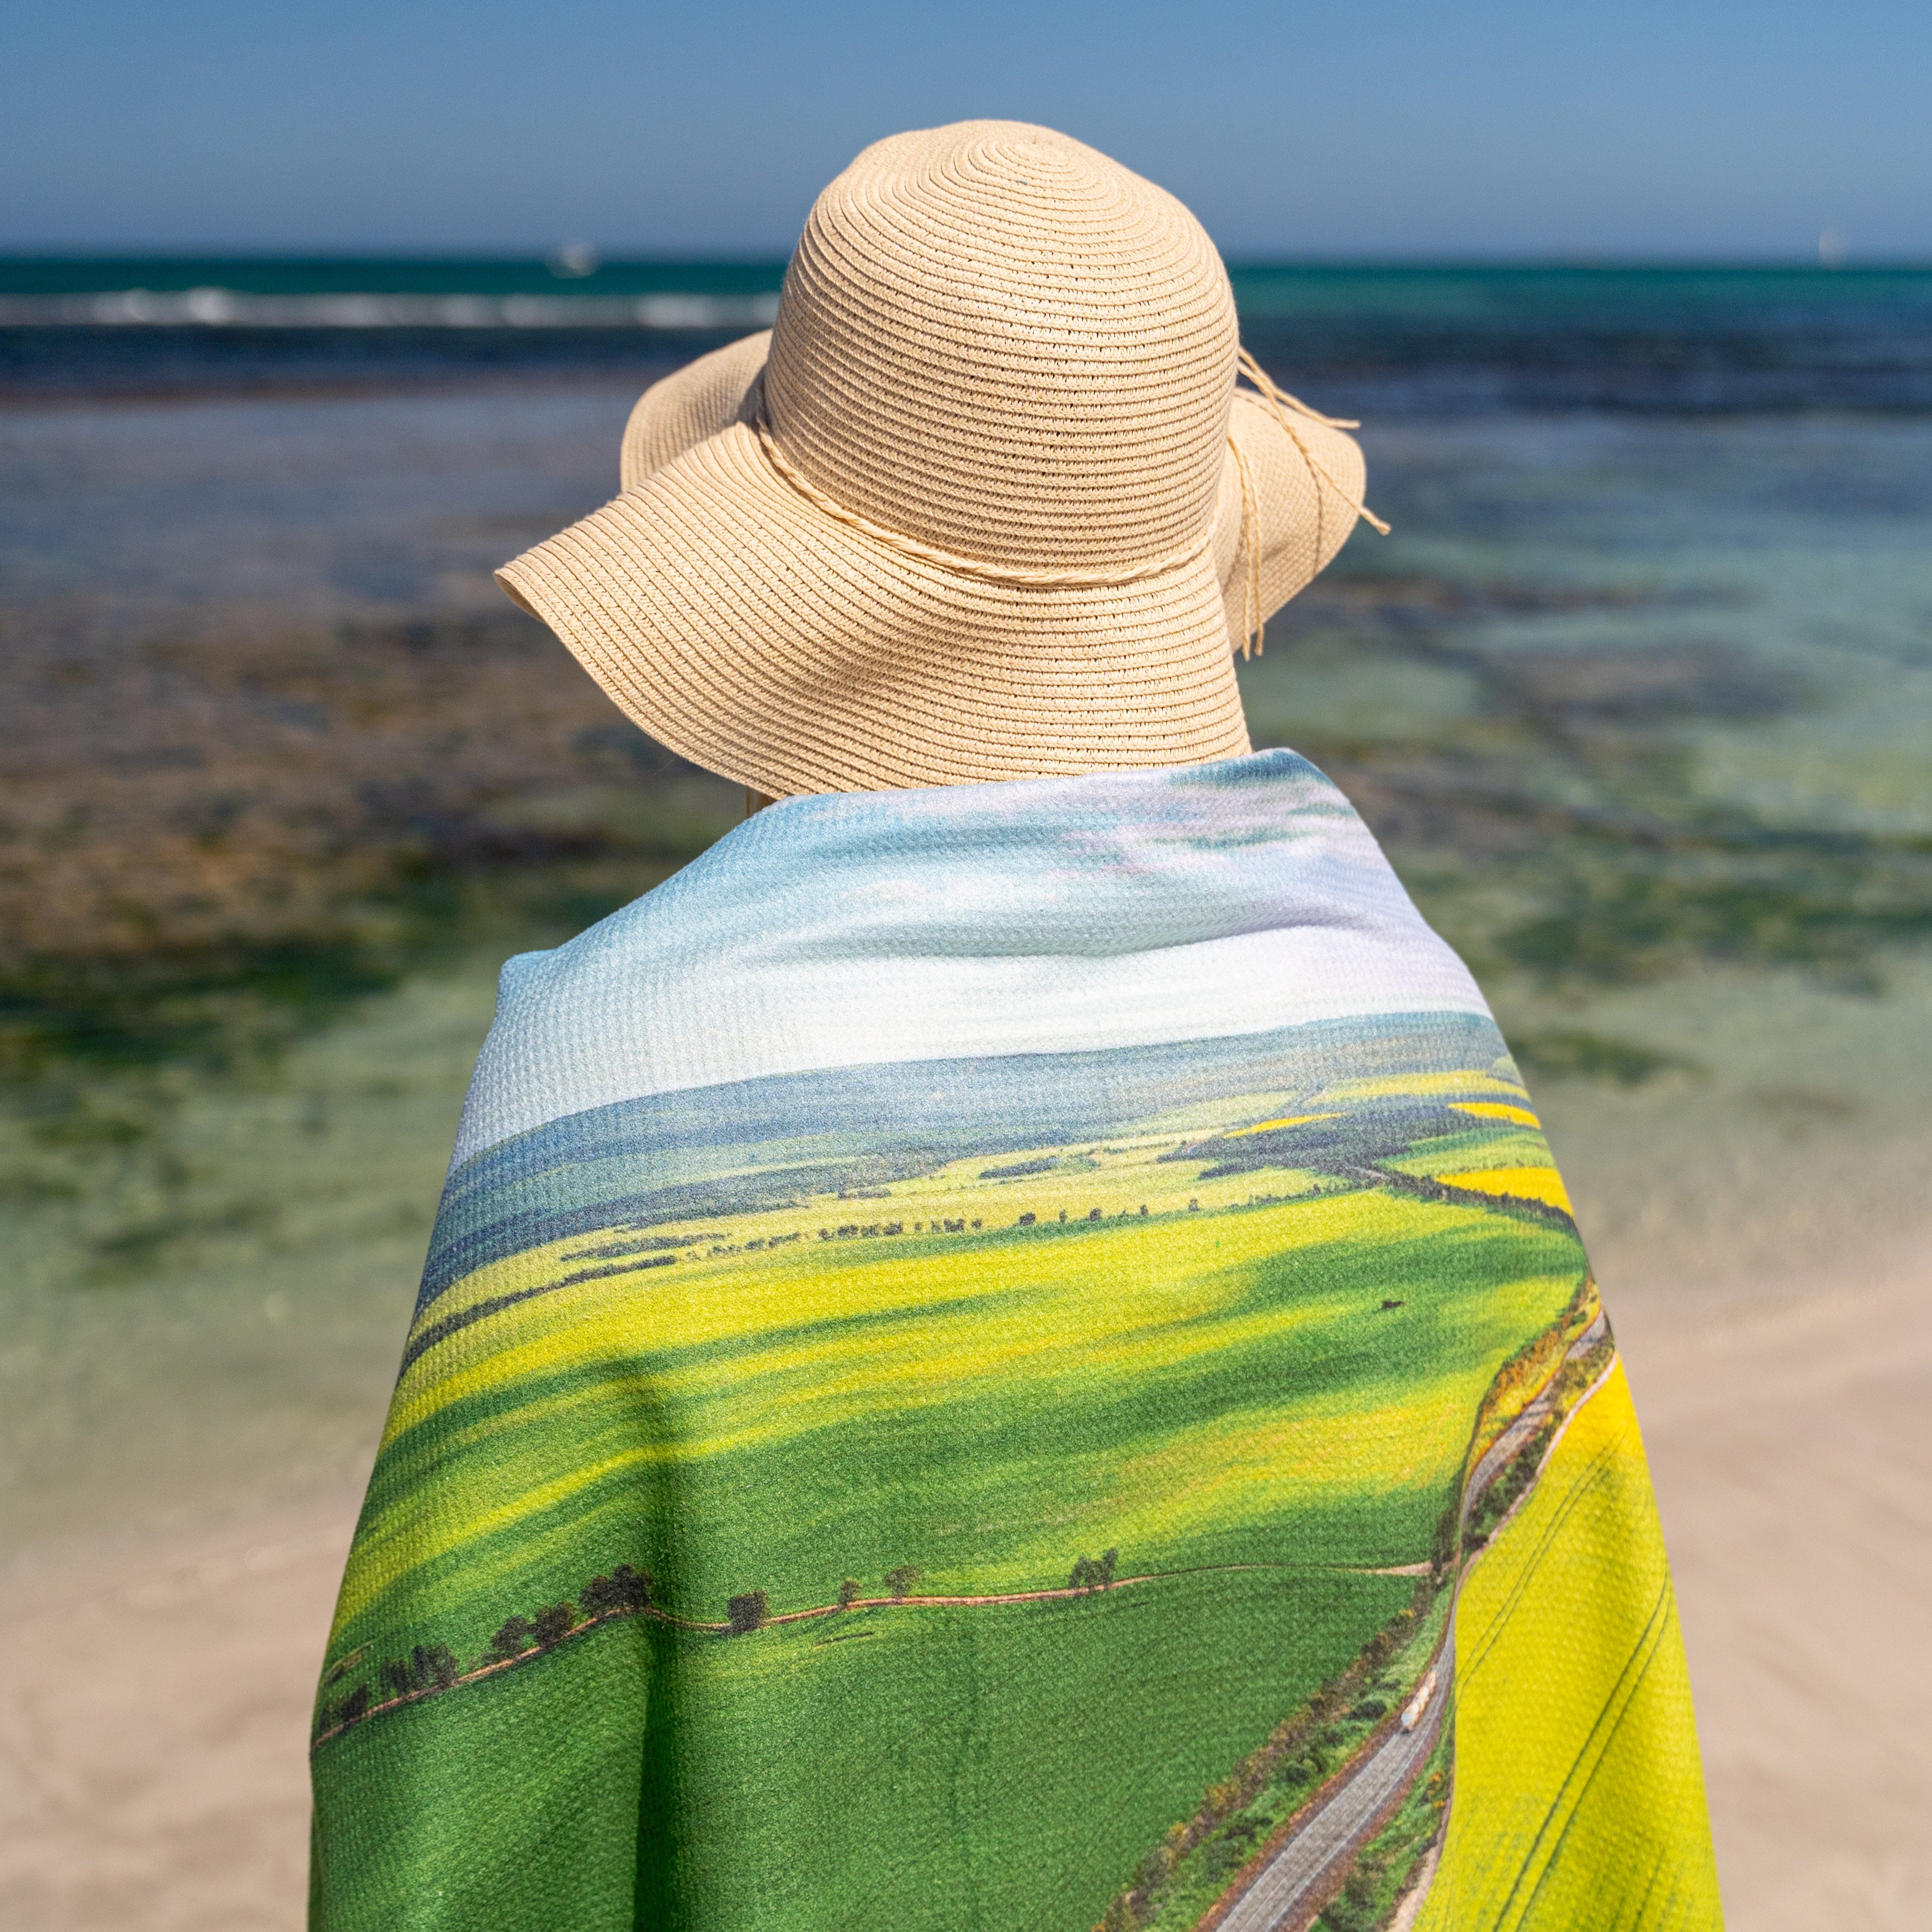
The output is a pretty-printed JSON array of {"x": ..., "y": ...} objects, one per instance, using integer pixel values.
[{"x": 971, "y": 510}]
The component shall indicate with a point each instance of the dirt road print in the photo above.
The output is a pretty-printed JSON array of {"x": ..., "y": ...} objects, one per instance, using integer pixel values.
[{"x": 1169, "y": 1484}]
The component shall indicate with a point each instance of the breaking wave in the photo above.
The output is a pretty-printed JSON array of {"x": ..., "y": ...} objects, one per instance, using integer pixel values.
[{"x": 229, "y": 308}]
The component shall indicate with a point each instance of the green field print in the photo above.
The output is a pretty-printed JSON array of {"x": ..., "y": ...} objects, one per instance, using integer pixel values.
[{"x": 892, "y": 1496}]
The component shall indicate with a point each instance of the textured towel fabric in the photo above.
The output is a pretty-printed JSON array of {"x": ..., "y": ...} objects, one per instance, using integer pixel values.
[{"x": 1010, "y": 1357}]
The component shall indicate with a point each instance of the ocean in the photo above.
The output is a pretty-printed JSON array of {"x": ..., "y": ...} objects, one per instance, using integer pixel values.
[
  {"x": 1638, "y": 696},
  {"x": 1436, "y": 338}
]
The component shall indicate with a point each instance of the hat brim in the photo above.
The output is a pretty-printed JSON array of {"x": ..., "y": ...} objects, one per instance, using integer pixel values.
[{"x": 763, "y": 639}]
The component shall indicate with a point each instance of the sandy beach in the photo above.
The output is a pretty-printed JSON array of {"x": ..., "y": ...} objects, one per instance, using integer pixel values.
[
  {"x": 154, "y": 1725},
  {"x": 155, "y": 1696},
  {"x": 1788, "y": 1445}
]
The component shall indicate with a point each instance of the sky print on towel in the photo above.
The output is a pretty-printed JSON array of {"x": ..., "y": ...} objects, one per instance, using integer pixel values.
[{"x": 1047, "y": 915}]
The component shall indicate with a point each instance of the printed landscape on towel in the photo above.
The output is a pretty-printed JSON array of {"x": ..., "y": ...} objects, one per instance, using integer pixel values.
[{"x": 1067, "y": 1457}]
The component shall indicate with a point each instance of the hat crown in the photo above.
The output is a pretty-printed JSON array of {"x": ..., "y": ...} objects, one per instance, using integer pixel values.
[{"x": 999, "y": 342}]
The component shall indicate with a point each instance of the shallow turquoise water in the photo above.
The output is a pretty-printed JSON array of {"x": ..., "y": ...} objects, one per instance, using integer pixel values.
[{"x": 1648, "y": 616}]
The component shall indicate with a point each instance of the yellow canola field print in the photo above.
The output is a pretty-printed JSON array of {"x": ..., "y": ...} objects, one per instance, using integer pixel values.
[{"x": 1573, "y": 1710}]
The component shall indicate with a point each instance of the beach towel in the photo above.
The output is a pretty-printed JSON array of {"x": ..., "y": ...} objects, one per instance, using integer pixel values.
[{"x": 1009, "y": 1357}]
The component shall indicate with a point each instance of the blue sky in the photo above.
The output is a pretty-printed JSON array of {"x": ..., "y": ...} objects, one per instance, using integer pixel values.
[{"x": 1491, "y": 128}]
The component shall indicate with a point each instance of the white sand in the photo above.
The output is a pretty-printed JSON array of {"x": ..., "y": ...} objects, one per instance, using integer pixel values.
[
  {"x": 154, "y": 1718},
  {"x": 154, "y": 1703},
  {"x": 1793, "y": 1458}
]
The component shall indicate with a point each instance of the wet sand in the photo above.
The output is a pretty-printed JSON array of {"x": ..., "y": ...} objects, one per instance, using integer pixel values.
[{"x": 155, "y": 1697}]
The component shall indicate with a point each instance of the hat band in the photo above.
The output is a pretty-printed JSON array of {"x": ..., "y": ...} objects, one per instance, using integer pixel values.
[{"x": 969, "y": 566}]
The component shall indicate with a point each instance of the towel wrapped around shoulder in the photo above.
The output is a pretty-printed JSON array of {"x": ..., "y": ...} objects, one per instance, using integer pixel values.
[{"x": 1009, "y": 1356}]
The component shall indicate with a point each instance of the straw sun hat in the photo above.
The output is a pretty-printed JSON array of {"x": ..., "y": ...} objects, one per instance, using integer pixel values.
[{"x": 985, "y": 503}]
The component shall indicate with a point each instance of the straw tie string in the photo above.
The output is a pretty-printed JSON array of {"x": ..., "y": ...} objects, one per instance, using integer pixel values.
[
  {"x": 1253, "y": 624},
  {"x": 1282, "y": 403}
]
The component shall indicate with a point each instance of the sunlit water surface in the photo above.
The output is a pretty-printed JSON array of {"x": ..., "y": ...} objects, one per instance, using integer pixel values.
[{"x": 209, "y": 1271}]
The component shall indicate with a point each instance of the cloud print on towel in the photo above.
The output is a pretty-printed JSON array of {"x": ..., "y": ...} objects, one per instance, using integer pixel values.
[{"x": 869, "y": 927}]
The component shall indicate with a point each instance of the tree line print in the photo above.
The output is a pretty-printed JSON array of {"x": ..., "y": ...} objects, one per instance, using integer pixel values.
[
  {"x": 626, "y": 1591},
  {"x": 1314, "y": 1751},
  {"x": 1311, "y": 1753}
]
